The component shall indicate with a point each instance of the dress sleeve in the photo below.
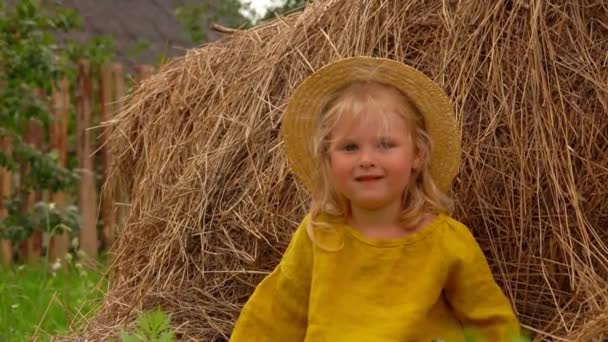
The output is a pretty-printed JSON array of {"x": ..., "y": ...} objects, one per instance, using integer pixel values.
[
  {"x": 475, "y": 297},
  {"x": 278, "y": 308}
]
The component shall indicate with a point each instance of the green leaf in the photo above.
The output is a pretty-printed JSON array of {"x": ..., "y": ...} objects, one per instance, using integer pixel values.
[
  {"x": 124, "y": 337},
  {"x": 155, "y": 322},
  {"x": 168, "y": 336},
  {"x": 151, "y": 326}
]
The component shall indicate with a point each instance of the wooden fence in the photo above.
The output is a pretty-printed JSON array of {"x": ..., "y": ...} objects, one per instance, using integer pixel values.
[{"x": 95, "y": 99}]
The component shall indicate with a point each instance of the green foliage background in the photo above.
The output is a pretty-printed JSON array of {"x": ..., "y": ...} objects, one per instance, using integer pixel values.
[{"x": 33, "y": 59}]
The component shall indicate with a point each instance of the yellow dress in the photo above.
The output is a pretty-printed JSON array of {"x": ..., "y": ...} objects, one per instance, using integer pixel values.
[{"x": 434, "y": 284}]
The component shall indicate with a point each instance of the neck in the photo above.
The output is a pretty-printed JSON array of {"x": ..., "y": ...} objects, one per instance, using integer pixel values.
[{"x": 375, "y": 218}]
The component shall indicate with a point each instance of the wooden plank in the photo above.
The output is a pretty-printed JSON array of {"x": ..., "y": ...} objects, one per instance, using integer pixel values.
[
  {"x": 87, "y": 191},
  {"x": 6, "y": 182},
  {"x": 60, "y": 105},
  {"x": 31, "y": 249}
]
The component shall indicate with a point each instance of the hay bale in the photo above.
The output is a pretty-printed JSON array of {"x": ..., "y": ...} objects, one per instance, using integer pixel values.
[{"x": 212, "y": 203}]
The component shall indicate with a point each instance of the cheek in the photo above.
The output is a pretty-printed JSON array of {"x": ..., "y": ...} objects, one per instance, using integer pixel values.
[
  {"x": 401, "y": 169},
  {"x": 340, "y": 168}
]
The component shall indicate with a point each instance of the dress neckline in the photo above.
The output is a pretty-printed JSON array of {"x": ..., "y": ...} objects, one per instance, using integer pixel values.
[{"x": 404, "y": 240}]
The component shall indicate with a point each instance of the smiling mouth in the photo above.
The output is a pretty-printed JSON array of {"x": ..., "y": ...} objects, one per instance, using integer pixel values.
[{"x": 367, "y": 178}]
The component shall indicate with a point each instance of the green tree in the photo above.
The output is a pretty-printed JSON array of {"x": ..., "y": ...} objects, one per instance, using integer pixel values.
[
  {"x": 286, "y": 7},
  {"x": 196, "y": 17},
  {"x": 33, "y": 59}
]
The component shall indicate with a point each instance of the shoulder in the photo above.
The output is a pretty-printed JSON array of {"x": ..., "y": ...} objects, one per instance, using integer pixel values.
[
  {"x": 454, "y": 227},
  {"x": 302, "y": 236},
  {"x": 296, "y": 261},
  {"x": 299, "y": 247},
  {"x": 457, "y": 237},
  {"x": 321, "y": 218}
]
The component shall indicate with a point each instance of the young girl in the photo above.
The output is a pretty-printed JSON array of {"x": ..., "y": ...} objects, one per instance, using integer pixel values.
[{"x": 377, "y": 258}]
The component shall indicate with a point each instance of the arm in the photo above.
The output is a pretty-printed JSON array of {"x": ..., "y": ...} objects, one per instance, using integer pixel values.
[
  {"x": 476, "y": 299},
  {"x": 278, "y": 308}
]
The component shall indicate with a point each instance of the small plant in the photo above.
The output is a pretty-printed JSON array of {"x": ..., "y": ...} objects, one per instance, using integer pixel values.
[
  {"x": 475, "y": 336},
  {"x": 42, "y": 217},
  {"x": 152, "y": 326}
]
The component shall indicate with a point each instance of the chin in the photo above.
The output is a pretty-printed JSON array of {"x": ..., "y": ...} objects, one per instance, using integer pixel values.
[{"x": 370, "y": 204}]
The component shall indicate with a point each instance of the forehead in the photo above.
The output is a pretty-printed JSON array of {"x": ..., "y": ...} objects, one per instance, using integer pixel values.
[
  {"x": 368, "y": 122},
  {"x": 361, "y": 99},
  {"x": 368, "y": 105}
]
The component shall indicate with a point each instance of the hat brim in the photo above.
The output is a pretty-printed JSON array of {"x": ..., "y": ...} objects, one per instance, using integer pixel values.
[{"x": 304, "y": 107}]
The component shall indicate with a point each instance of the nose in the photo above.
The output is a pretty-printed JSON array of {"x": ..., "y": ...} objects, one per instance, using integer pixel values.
[{"x": 366, "y": 159}]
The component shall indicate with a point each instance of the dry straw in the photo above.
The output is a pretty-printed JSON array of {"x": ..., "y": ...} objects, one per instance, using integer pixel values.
[{"x": 212, "y": 203}]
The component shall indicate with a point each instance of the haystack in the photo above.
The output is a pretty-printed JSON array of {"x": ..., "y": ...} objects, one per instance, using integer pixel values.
[{"x": 211, "y": 202}]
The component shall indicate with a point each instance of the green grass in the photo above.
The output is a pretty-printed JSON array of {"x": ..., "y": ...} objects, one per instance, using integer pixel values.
[{"x": 36, "y": 302}]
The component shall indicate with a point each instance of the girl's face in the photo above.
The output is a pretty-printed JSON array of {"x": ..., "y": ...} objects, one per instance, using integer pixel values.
[{"x": 371, "y": 158}]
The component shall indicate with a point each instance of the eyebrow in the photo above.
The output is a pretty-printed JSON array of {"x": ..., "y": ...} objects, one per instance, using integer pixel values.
[
  {"x": 347, "y": 140},
  {"x": 341, "y": 141}
]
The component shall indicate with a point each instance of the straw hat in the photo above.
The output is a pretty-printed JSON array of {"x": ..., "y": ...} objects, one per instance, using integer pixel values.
[{"x": 303, "y": 109}]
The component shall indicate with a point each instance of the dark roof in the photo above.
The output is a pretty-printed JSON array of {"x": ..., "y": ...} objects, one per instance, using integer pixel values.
[{"x": 132, "y": 22}]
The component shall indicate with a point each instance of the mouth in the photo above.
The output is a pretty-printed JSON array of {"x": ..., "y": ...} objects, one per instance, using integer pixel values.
[{"x": 367, "y": 178}]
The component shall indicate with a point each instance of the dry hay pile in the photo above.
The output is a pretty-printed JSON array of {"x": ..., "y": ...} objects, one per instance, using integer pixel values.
[{"x": 212, "y": 203}]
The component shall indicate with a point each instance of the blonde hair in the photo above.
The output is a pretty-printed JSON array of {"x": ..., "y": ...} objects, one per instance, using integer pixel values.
[{"x": 422, "y": 195}]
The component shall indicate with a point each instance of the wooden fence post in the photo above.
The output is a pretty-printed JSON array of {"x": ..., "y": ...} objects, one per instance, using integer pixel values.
[
  {"x": 31, "y": 249},
  {"x": 59, "y": 243},
  {"x": 119, "y": 83},
  {"x": 87, "y": 191},
  {"x": 6, "y": 182},
  {"x": 107, "y": 106},
  {"x": 142, "y": 72}
]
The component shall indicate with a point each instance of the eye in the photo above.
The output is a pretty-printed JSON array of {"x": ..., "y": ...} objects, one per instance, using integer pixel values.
[
  {"x": 349, "y": 147},
  {"x": 385, "y": 144}
]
